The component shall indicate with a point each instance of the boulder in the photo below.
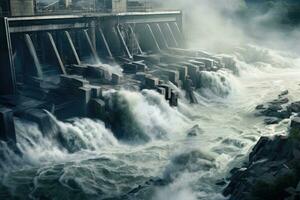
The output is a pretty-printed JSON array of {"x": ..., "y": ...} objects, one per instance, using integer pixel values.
[{"x": 295, "y": 124}]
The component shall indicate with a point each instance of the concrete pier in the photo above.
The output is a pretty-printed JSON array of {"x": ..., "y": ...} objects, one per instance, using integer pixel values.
[{"x": 7, "y": 127}]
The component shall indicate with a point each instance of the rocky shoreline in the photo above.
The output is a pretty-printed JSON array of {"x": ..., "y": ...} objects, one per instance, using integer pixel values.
[{"x": 272, "y": 171}]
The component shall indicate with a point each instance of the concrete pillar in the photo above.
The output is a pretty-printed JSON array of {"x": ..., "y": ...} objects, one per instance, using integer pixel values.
[
  {"x": 151, "y": 82},
  {"x": 41, "y": 118},
  {"x": 32, "y": 52},
  {"x": 56, "y": 54},
  {"x": 174, "y": 99},
  {"x": 84, "y": 97},
  {"x": 97, "y": 109},
  {"x": 7, "y": 126},
  {"x": 7, "y": 68}
]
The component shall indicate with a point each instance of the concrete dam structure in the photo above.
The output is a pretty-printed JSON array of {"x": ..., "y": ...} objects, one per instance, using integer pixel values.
[
  {"x": 113, "y": 100},
  {"x": 61, "y": 62}
]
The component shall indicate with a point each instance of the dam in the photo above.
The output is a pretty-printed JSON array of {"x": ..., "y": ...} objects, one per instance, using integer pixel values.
[
  {"x": 56, "y": 59},
  {"x": 149, "y": 100}
]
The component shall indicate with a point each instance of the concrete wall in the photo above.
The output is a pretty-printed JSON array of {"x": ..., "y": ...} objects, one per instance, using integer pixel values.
[
  {"x": 119, "y": 5},
  {"x": 21, "y": 7}
]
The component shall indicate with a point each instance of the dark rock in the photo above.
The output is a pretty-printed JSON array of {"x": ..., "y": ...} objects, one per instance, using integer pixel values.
[
  {"x": 260, "y": 107},
  {"x": 272, "y": 120},
  {"x": 283, "y": 93},
  {"x": 280, "y": 101},
  {"x": 194, "y": 131},
  {"x": 221, "y": 182},
  {"x": 294, "y": 107},
  {"x": 295, "y": 123},
  {"x": 234, "y": 170},
  {"x": 260, "y": 144}
]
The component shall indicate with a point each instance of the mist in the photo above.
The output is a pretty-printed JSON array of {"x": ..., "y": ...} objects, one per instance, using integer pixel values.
[{"x": 220, "y": 26}]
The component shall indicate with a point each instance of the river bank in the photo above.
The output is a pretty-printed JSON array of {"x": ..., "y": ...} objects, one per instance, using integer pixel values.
[{"x": 272, "y": 170}]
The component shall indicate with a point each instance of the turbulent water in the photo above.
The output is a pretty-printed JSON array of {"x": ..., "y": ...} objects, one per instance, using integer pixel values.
[{"x": 86, "y": 161}]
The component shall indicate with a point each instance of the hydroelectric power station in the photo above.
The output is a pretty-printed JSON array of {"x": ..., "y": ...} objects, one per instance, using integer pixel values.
[
  {"x": 113, "y": 100},
  {"x": 63, "y": 57}
]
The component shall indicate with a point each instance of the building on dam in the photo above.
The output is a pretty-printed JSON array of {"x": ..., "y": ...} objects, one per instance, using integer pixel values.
[{"x": 61, "y": 57}]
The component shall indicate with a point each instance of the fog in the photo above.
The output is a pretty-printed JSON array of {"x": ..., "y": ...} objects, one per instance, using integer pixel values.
[{"x": 220, "y": 25}]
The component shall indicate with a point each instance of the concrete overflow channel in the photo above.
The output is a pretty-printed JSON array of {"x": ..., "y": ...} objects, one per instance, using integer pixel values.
[{"x": 57, "y": 63}]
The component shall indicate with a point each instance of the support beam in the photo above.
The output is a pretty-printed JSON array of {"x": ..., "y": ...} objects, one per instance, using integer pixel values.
[
  {"x": 7, "y": 68},
  {"x": 135, "y": 39},
  {"x": 56, "y": 54},
  {"x": 160, "y": 36},
  {"x": 172, "y": 35},
  {"x": 177, "y": 33},
  {"x": 90, "y": 44},
  {"x": 153, "y": 37},
  {"x": 124, "y": 45},
  {"x": 105, "y": 42},
  {"x": 32, "y": 52},
  {"x": 92, "y": 31},
  {"x": 72, "y": 47}
]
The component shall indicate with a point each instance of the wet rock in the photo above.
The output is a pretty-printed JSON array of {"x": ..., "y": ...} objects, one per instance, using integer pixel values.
[
  {"x": 269, "y": 171},
  {"x": 221, "y": 182},
  {"x": 294, "y": 107},
  {"x": 280, "y": 101},
  {"x": 272, "y": 120},
  {"x": 194, "y": 131},
  {"x": 273, "y": 111},
  {"x": 283, "y": 93},
  {"x": 295, "y": 124},
  {"x": 260, "y": 107}
]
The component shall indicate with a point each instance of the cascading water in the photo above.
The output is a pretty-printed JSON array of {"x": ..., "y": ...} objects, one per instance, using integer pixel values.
[{"x": 156, "y": 159}]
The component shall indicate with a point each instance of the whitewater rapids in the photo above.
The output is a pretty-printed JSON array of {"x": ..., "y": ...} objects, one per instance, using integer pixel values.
[{"x": 86, "y": 160}]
